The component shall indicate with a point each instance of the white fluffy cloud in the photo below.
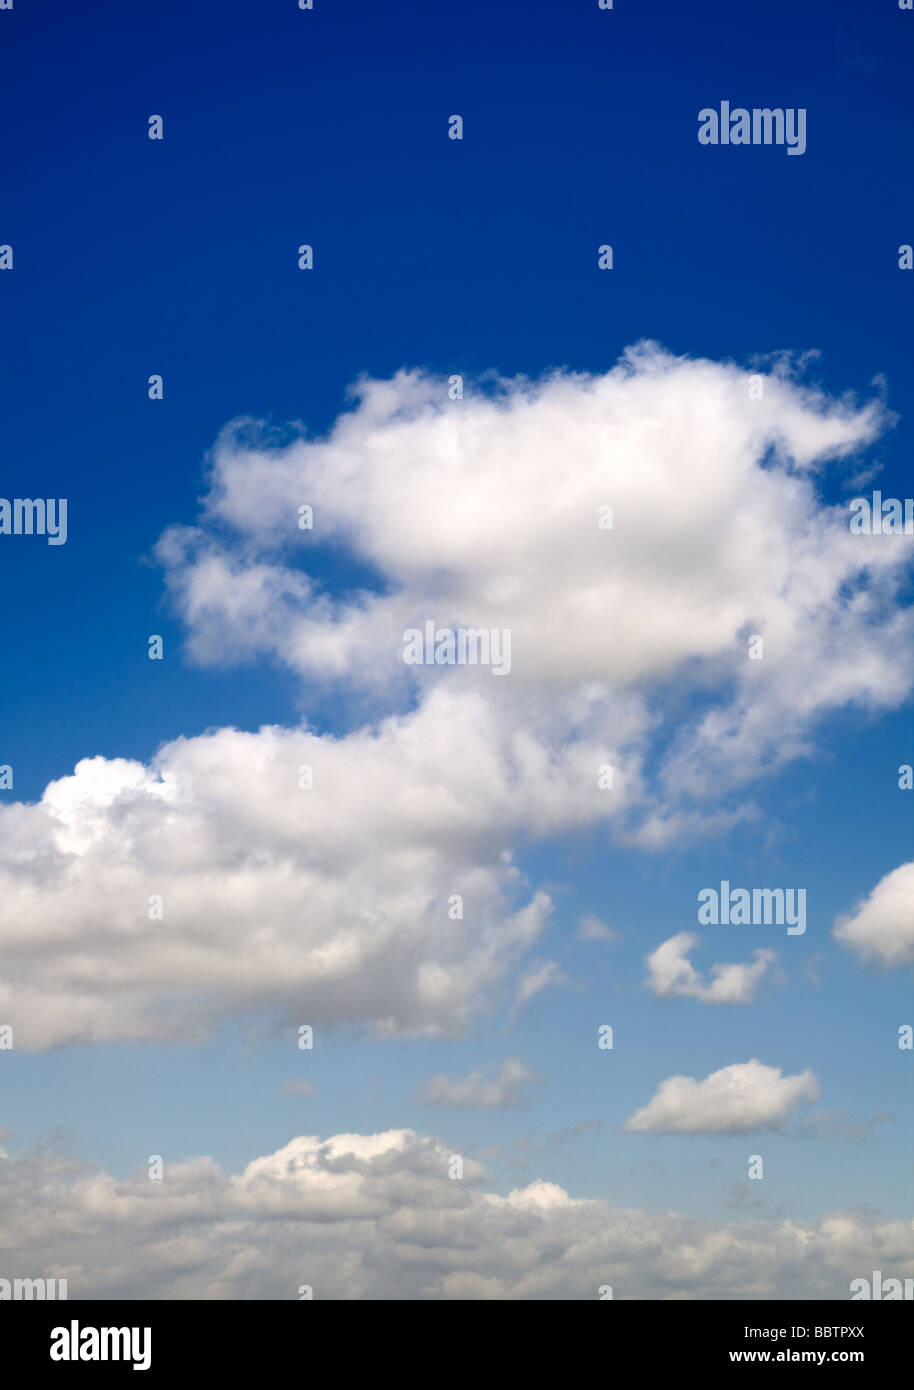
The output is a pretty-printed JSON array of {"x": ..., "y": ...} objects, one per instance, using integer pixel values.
[
  {"x": 484, "y": 512},
  {"x": 670, "y": 973},
  {"x": 881, "y": 930},
  {"x": 734, "y": 1100},
  {"x": 325, "y": 904},
  {"x": 377, "y": 1216},
  {"x": 629, "y": 650},
  {"x": 503, "y": 1091}
]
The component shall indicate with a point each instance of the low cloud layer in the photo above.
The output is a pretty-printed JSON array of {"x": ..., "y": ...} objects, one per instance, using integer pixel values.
[{"x": 377, "y": 1216}]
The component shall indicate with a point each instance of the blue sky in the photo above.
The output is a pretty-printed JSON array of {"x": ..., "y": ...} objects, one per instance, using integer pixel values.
[{"x": 178, "y": 257}]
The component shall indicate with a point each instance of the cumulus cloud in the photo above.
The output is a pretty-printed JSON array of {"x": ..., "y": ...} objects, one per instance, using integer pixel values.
[
  {"x": 881, "y": 930},
  {"x": 320, "y": 905},
  {"x": 378, "y": 1216},
  {"x": 735, "y": 1100},
  {"x": 485, "y": 512},
  {"x": 671, "y": 973},
  {"x": 331, "y": 904},
  {"x": 504, "y": 1091}
]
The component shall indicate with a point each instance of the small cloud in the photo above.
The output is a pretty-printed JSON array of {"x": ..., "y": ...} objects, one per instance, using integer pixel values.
[
  {"x": 734, "y": 1100},
  {"x": 591, "y": 928},
  {"x": 671, "y": 973},
  {"x": 477, "y": 1091},
  {"x": 863, "y": 476},
  {"x": 743, "y": 1196},
  {"x": 299, "y": 1088},
  {"x": 811, "y": 970},
  {"x": 881, "y": 931},
  {"x": 842, "y": 1124},
  {"x": 567, "y": 1132},
  {"x": 540, "y": 974}
]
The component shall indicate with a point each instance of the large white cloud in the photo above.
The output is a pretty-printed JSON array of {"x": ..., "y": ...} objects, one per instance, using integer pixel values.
[
  {"x": 325, "y": 904},
  {"x": 881, "y": 929},
  {"x": 629, "y": 650},
  {"x": 735, "y": 1100},
  {"x": 483, "y": 512},
  {"x": 378, "y": 1216}
]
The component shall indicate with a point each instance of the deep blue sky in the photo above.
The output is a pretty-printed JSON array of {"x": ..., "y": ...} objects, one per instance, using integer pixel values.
[
  {"x": 179, "y": 257},
  {"x": 329, "y": 127}
]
